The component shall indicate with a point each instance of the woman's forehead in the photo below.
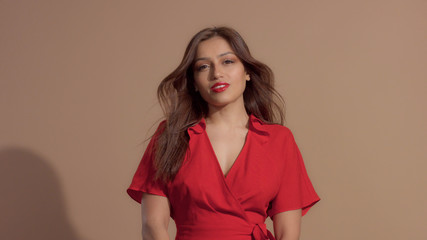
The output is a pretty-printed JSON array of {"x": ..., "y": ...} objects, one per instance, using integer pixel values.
[{"x": 213, "y": 47}]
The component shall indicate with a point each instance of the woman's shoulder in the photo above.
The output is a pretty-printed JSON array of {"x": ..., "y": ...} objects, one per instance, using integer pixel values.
[
  {"x": 272, "y": 132},
  {"x": 278, "y": 130},
  {"x": 271, "y": 128}
]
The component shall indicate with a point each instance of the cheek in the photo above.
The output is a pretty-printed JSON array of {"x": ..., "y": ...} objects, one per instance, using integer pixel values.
[
  {"x": 239, "y": 75},
  {"x": 238, "y": 71},
  {"x": 200, "y": 80},
  {"x": 197, "y": 83}
]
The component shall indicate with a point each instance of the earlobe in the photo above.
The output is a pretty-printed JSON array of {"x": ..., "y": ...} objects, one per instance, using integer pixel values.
[{"x": 248, "y": 77}]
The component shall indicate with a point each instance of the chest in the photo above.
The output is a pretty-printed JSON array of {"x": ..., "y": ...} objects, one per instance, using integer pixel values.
[
  {"x": 251, "y": 183},
  {"x": 226, "y": 147}
]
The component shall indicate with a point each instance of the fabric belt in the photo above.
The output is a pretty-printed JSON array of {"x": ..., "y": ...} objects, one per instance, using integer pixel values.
[
  {"x": 254, "y": 231},
  {"x": 260, "y": 232}
]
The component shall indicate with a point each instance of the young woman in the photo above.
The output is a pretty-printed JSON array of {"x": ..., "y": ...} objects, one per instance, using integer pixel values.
[{"x": 221, "y": 162}]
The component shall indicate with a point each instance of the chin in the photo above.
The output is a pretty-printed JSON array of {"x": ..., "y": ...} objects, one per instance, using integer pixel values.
[{"x": 219, "y": 103}]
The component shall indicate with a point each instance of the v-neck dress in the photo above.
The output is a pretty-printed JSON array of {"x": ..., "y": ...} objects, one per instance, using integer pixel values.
[{"x": 268, "y": 177}]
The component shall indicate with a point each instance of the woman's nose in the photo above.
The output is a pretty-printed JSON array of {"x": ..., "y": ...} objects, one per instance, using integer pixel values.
[{"x": 216, "y": 73}]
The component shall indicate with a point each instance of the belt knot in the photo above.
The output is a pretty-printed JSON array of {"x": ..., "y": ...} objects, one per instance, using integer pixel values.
[{"x": 260, "y": 232}]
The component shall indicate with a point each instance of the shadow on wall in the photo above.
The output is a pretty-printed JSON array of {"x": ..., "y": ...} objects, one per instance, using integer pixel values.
[{"x": 31, "y": 201}]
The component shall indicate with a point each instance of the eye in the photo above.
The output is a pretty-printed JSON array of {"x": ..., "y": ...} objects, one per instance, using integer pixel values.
[
  {"x": 202, "y": 67},
  {"x": 228, "y": 61}
]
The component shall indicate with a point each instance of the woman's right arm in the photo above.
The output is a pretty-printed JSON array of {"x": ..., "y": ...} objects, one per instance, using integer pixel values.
[{"x": 155, "y": 217}]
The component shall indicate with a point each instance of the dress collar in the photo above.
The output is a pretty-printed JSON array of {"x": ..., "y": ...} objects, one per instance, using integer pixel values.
[{"x": 256, "y": 125}]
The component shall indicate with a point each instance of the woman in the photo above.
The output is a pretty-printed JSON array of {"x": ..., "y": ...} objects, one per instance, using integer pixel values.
[{"x": 221, "y": 162}]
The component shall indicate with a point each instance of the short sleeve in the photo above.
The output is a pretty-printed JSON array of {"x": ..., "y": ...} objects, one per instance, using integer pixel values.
[
  {"x": 295, "y": 188},
  {"x": 143, "y": 179}
]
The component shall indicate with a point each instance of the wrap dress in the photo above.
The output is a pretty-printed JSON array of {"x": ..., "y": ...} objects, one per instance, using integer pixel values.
[{"x": 267, "y": 177}]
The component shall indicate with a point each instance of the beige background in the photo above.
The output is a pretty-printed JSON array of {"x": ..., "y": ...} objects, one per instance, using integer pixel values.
[{"x": 77, "y": 99}]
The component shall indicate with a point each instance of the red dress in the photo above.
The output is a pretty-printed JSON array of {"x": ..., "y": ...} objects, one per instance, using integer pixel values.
[{"x": 268, "y": 177}]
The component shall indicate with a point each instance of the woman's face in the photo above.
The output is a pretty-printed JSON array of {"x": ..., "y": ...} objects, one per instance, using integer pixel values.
[{"x": 219, "y": 75}]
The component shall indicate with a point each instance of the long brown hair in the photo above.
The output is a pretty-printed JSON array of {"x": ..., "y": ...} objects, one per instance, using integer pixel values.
[{"x": 183, "y": 107}]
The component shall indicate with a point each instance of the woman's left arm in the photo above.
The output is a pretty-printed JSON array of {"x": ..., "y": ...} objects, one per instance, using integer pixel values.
[{"x": 287, "y": 225}]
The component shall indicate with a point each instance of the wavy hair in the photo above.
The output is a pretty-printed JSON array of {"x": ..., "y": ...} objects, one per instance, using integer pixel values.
[{"x": 183, "y": 107}]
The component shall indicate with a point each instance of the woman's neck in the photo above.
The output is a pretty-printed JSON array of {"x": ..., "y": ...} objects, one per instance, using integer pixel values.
[{"x": 228, "y": 117}]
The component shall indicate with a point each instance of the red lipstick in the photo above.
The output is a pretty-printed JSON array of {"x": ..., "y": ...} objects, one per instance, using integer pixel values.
[{"x": 220, "y": 87}]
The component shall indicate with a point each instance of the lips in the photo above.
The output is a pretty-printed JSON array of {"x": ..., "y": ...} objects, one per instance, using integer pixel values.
[{"x": 220, "y": 87}]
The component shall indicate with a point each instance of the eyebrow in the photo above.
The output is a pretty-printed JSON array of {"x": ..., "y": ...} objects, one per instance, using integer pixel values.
[{"x": 206, "y": 58}]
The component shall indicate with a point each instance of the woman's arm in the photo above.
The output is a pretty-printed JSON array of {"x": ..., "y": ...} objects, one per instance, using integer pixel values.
[
  {"x": 287, "y": 225},
  {"x": 155, "y": 217}
]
